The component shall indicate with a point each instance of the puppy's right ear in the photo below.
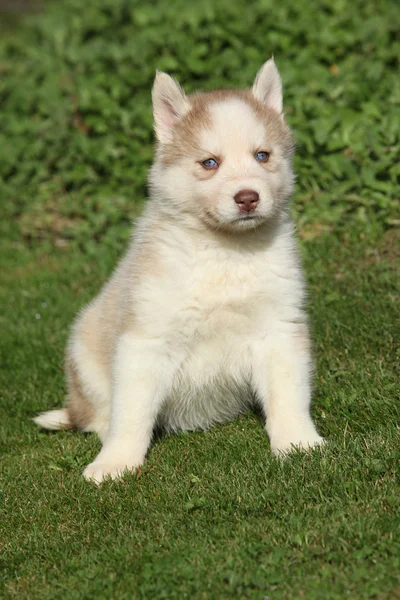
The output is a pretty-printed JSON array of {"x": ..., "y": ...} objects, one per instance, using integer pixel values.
[{"x": 170, "y": 103}]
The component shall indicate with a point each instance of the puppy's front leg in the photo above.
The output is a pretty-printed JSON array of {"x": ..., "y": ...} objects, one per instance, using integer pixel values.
[
  {"x": 141, "y": 378},
  {"x": 282, "y": 377}
]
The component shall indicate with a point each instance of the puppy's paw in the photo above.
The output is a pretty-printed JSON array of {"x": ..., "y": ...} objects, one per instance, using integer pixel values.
[
  {"x": 283, "y": 447},
  {"x": 98, "y": 471}
]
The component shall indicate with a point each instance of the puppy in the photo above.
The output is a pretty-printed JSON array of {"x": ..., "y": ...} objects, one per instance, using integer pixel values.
[{"x": 204, "y": 316}]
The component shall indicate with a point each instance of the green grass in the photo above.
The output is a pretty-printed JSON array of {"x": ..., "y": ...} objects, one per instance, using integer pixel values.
[{"x": 213, "y": 514}]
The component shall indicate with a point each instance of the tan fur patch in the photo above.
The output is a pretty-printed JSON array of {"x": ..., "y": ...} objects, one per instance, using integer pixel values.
[{"x": 80, "y": 410}]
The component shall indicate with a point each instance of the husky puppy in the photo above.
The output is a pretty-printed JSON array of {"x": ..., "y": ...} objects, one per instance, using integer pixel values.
[{"x": 204, "y": 316}]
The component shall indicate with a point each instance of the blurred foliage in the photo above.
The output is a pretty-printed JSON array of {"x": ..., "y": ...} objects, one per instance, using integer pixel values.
[{"x": 76, "y": 125}]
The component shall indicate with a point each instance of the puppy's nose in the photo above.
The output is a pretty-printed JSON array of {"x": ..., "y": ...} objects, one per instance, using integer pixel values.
[{"x": 247, "y": 200}]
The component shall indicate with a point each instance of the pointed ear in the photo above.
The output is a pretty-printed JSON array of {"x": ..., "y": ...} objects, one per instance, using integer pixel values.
[
  {"x": 267, "y": 87},
  {"x": 169, "y": 104}
]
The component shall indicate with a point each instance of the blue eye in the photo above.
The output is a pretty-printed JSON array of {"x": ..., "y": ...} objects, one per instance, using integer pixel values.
[
  {"x": 210, "y": 163},
  {"x": 262, "y": 156}
]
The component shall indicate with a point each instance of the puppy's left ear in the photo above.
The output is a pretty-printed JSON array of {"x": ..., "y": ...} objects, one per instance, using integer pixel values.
[{"x": 267, "y": 87}]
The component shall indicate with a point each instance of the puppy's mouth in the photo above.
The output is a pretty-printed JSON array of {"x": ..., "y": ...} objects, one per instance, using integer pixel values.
[{"x": 247, "y": 217}]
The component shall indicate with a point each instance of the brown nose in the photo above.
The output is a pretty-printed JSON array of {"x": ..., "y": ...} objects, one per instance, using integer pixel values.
[{"x": 247, "y": 200}]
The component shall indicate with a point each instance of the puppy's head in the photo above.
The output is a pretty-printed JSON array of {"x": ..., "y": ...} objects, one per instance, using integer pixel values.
[{"x": 223, "y": 156}]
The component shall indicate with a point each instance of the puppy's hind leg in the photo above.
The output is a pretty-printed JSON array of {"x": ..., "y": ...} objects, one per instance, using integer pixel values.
[
  {"x": 65, "y": 418},
  {"x": 84, "y": 410}
]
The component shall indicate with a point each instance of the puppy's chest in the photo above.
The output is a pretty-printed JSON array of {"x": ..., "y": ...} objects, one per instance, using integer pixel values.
[
  {"x": 209, "y": 293},
  {"x": 223, "y": 295}
]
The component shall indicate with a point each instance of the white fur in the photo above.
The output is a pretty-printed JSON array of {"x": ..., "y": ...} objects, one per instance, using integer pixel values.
[
  {"x": 53, "y": 419},
  {"x": 218, "y": 310}
]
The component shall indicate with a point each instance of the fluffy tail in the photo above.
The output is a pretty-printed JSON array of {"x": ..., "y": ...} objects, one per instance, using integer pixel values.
[{"x": 54, "y": 419}]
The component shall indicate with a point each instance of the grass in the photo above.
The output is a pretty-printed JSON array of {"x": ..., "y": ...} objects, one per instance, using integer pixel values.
[{"x": 213, "y": 514}]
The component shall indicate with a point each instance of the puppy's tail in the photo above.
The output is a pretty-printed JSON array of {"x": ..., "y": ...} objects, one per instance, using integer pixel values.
[{"x": 54, "y": 419}]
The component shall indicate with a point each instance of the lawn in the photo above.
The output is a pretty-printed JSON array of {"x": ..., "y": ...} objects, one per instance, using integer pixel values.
[{"x": 211, "y": 515}]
